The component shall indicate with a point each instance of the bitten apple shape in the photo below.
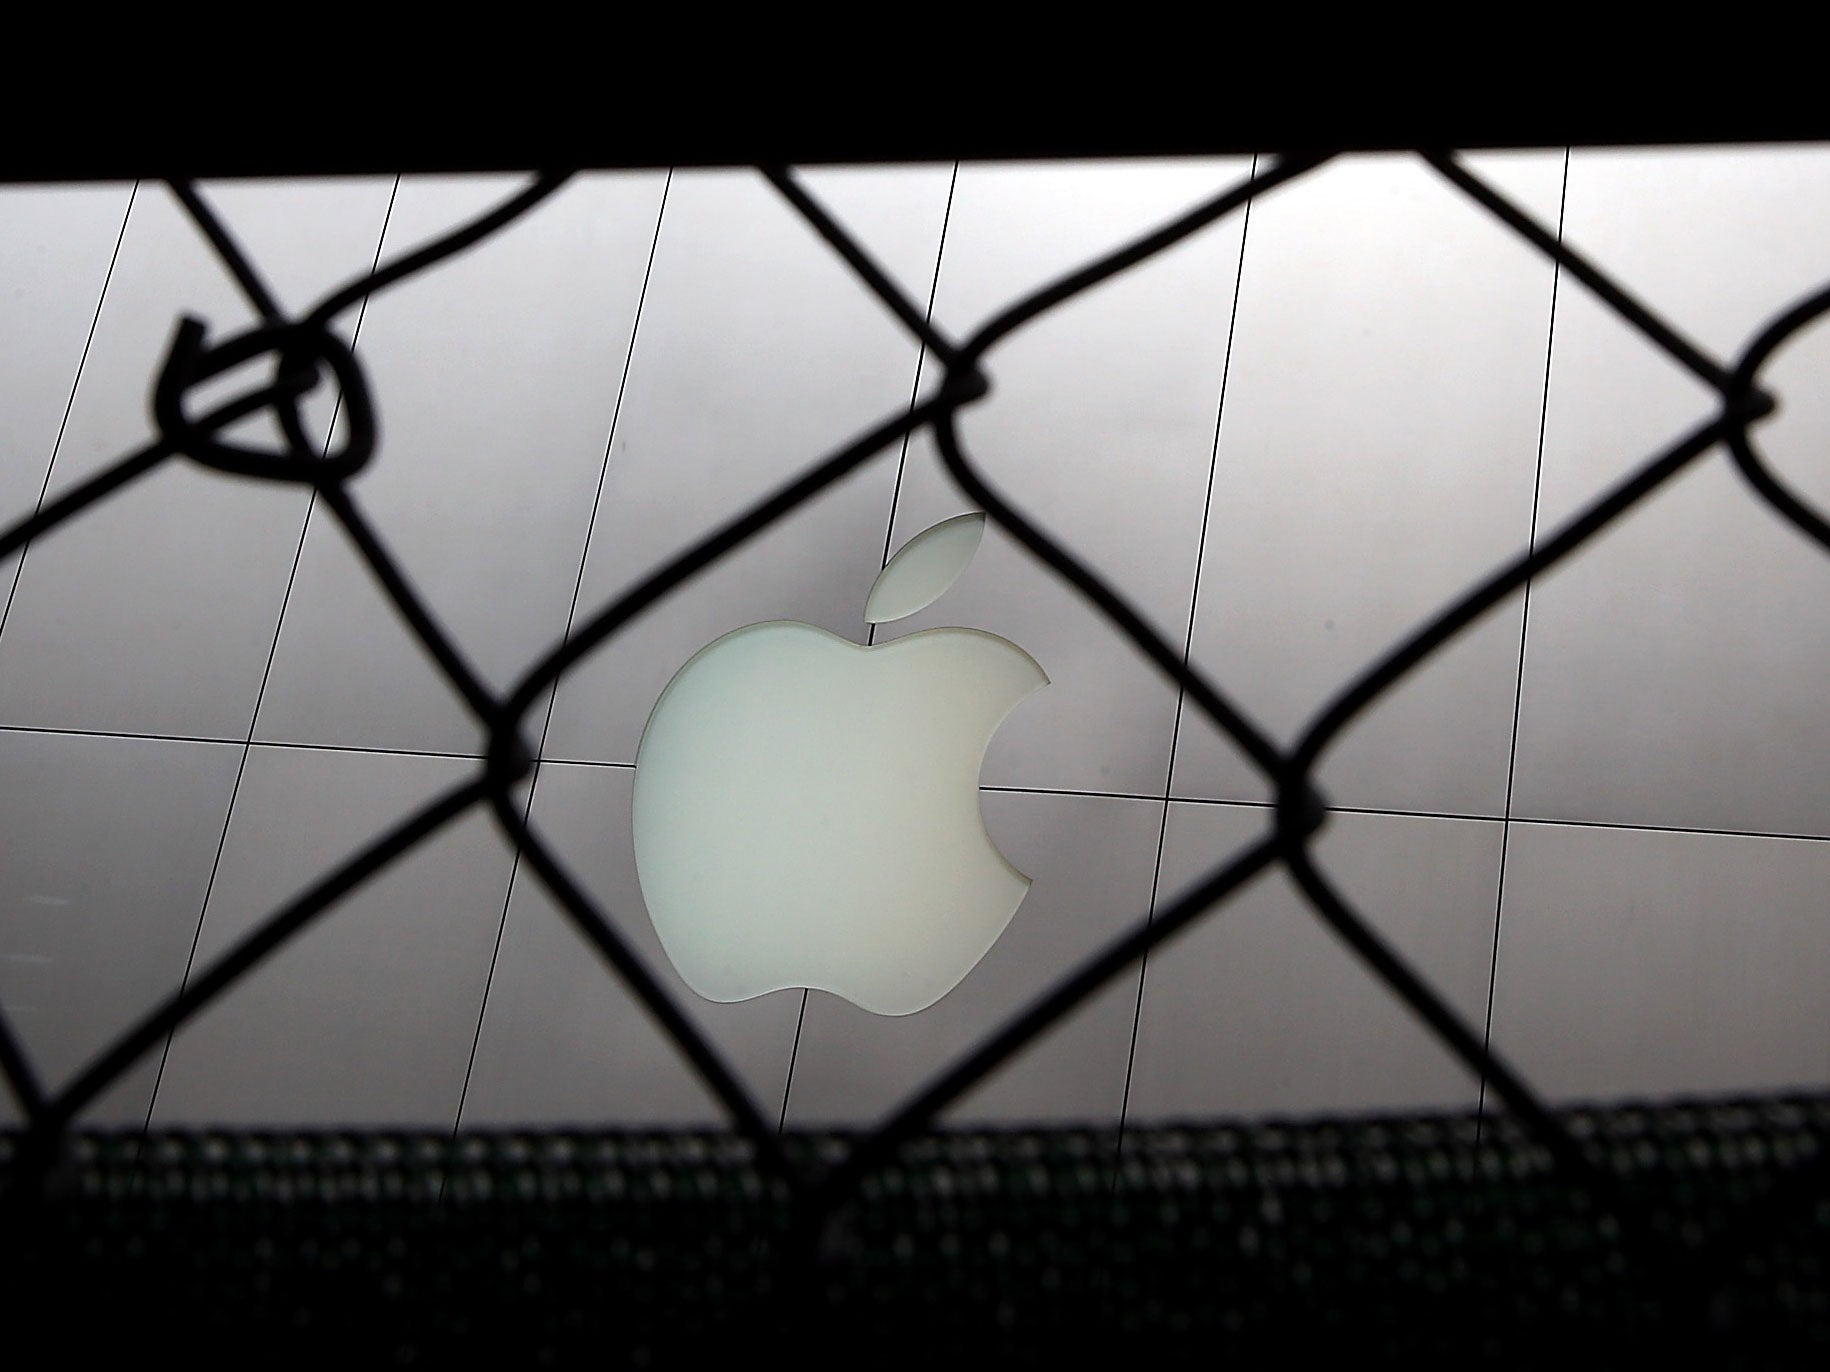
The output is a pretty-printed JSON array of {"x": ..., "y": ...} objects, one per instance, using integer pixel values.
[{"x": 807, "y": 809}]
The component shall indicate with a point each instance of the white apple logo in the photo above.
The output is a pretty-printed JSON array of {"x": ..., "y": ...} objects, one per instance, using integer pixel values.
[{"x": 807, "y": 809}]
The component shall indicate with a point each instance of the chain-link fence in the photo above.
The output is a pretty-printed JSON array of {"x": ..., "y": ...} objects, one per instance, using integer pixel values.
[{"x": 814, "y": 1195}]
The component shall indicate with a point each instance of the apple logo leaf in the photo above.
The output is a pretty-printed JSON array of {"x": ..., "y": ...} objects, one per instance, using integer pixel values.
[{"x": 923, "y": 568}]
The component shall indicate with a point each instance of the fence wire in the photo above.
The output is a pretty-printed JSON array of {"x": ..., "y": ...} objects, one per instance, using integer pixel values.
[{"x": 302, "y": 352}]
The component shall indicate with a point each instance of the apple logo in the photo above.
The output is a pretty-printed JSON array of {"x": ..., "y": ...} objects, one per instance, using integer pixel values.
[{"x": 807, "y": 808}]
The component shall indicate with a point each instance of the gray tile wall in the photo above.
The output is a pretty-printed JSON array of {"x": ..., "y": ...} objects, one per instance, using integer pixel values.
[{"x": 1597, "y": 821}]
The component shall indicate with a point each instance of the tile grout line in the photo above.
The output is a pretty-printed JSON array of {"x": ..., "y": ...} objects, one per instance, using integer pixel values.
[
  {"x": 1518, "y": 691},
  {"x": 63, "y": 423},
  {"x": 921, "y": 360},
  {"x": 1175, "y": 732},
  {"x": 247, "y": 744},
  {"x": 1542, "y": 820},
  {"x": 794, "y": 1052},
  {"x": 889, "y": 534},
  {"x": 1469, "y": 818},
  {"x": 294, "y": 744},
  {"x": 552, "y": 695}
]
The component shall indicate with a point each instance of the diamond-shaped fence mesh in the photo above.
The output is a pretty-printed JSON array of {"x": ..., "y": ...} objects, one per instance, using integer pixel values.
[{"x": 1626, "y": 1231}]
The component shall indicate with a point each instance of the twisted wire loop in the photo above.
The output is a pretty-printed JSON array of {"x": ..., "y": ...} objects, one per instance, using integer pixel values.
[{"x": 303, "y": 352}]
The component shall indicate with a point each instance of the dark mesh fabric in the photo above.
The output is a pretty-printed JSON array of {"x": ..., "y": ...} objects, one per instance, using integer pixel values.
[{"x": 1381, "y": 1241}]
